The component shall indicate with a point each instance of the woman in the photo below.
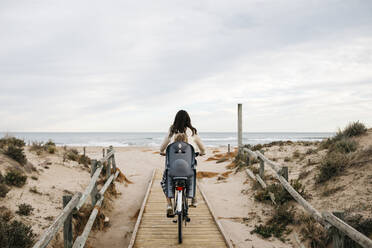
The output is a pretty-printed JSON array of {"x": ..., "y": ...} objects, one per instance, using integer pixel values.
[{"x": 181, "y": 125}]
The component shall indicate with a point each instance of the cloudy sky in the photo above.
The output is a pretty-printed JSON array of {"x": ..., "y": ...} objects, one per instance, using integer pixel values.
[{"x": 130, "y": 65}]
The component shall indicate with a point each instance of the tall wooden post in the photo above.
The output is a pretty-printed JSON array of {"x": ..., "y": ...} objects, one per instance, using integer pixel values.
[
  {"x": 67, "y": 226},
  {"x": 240, "y": 126},
  {"x": 84, "y": 151},
  {"x": 93, "y": 194},
  {"x": 228, "y": 149},
  {"x": 103, "y": 152}
]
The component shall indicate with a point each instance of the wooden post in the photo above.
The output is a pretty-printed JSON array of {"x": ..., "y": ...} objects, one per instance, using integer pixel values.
[
  {"x": 284, "y": 172},
  {"x": 262, "y": 168},
  {"x": 93, "y": 194},
  {"x": 84, "y": 150},
  {"x": 338, "y": 237},
  {"x": 228, "y": 149},
  {"x": 67, "y": 227},
  {"x": 103, "y": 152},
  {"x": 240, "y": 126},
  {"x": 358, "y": 237},
  {"x": 108, "y": 167}
]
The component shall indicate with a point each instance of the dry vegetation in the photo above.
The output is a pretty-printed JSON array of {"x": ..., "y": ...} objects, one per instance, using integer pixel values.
[{"x": 333, "y": 171}]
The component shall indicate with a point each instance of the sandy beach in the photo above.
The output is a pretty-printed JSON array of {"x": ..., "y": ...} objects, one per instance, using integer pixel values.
[{"x": 230, "y": 192}]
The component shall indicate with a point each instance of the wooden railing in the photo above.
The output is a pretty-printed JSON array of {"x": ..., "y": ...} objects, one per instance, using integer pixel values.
[
  {"x": 328, "y": 220},
  {"x": 72, "y": 204}
]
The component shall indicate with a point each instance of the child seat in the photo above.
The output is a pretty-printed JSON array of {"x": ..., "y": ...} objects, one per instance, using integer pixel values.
[{"x": 180, "y": 162}]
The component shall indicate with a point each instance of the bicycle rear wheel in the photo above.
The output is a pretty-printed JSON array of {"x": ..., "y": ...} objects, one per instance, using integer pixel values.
[{"x": 179, "y": 228}]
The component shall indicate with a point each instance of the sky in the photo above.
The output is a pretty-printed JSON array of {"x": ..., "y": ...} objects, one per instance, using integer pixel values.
[{"x": 128, "y": 66}]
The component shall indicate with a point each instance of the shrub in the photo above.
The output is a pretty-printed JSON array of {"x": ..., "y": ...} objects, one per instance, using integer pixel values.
[
  {"x": 39, "y": 147},
  {"x": 3, "y": 190},
  {"x": 13, "y": 148},
  {"x": 11, "y": 141},
  {"x": 15, "y": 178},
  {"x": 72, "y": 154},
  {"x": 354, "y": 129},
  {"x": 15, "y": 234},
  {"x": 50, "y": 147},
  {"x": 315, "y": 232},
  {"x": 343, "y": 146},
  {"x": 16, "y": 153},
  {"x": 280, "y": 193},
  {"x": 83, "y": 159},
  {"x": 332, "y": 165},
  {"x": 277, "y": 225},
  {"x": 24, "y": 209}
]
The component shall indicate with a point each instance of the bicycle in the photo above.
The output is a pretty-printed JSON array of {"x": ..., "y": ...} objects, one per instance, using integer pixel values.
[{"x": 180, "y": 181}]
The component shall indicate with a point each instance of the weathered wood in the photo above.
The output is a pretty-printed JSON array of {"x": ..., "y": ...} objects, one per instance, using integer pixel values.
[
  {"x": 81, "y": 240},
  {"x": 227, "y": 240},
  {"x": 84, "y": 152},
  {"x": 263, "y": 184},
  {"x": 250, "y": 174},
  {"x": 103, "y": 152},
  {"x": 228, "y": 149},
  {"x": 93, "y": 181},
  {"x": 105, "y": 158},
  {"x": 252, "y": 154},
  {"x": 142, "y": 209},
  {"x": 262, "y": 168},
  {"x": 276, "y": 167},
  {"x": 58, "y": 222},
  {"x": 240, "y": 125},
  {"x": 67, "y": 227},
  {"x": 284, "y": 172},
  {"x": 358, "y": 237},
  {"x": 92, "y": 184},
  {"x": 108, "y": 165}
]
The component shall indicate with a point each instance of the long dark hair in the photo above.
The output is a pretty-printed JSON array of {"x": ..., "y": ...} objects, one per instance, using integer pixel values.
[{"x": 181, "y": 122}]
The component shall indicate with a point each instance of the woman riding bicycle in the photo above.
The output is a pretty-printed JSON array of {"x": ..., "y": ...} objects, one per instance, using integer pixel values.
[{"x": 181, "y": 128}]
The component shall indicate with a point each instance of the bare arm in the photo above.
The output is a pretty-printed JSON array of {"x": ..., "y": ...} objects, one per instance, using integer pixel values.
[
  {"x": 165, "y": 143},
  {"x": 199, "y": 143}
]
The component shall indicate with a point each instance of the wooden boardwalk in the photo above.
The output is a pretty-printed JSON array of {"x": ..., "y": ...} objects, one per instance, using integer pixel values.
[{"x": 154, "y": 229}]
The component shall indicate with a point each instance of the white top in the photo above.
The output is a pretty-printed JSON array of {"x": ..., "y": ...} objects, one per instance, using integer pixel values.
[{"x": 193, "y": 140}]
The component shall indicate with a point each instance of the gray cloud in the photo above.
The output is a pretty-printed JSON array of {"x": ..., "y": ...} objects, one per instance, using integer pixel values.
[{"x": 129, "y": 66}]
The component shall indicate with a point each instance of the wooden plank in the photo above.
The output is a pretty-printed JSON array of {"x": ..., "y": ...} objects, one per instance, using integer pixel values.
[
  {"x": 131, "y": 243},
  {"x": 228, "y": 242},
  {"x": 358, "y": 237},
  {"x": 58, "y": 222},
  {"x": 155, "y": 230}
]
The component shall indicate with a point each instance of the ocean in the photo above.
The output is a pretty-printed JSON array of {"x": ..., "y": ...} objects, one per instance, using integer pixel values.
[{"x": 154, "y": 139}]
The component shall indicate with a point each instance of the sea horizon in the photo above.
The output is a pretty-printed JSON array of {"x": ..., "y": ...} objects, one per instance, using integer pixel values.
[{"x": 154, "y": 139}]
